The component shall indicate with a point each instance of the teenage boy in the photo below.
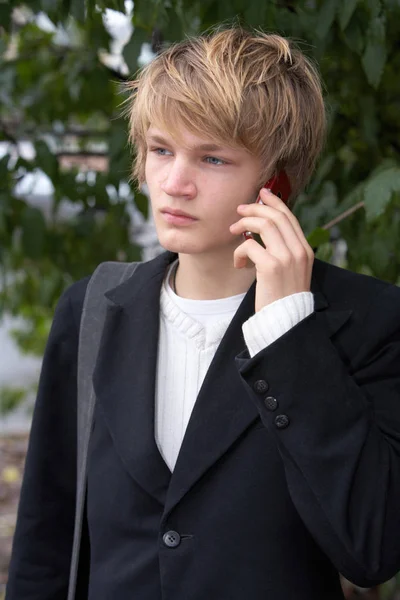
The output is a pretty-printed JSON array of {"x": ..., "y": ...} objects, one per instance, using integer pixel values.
[{"x": 246, "y": 436}]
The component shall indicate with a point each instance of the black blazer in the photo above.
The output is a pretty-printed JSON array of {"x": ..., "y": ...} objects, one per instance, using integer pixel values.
[{"x": 289, "y": 470}]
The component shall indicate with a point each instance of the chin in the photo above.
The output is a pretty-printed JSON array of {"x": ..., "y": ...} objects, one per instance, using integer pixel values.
[
  {"x": 185, "y": 243},
  {"x": 180, "y": 246},
  {"x": 180, "y": 241},
  {"x": 197, "y": 240}
]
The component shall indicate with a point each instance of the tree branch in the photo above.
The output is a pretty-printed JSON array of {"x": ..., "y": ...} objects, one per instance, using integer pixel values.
[{"x": 343, "y": 215}]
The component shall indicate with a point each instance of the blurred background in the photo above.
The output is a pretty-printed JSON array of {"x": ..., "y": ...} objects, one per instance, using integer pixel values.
[{"x": 66, "y": 203}]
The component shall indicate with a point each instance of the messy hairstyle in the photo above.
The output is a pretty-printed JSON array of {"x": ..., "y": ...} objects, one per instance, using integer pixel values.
[{"x": 247, "y": 89}]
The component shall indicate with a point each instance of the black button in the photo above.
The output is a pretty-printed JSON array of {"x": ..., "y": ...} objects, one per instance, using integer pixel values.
[
  {"x": 261, "y": 386},
  {"x": 282, "y": 421},
  {"x": 172, "y": 539},
  {"x": 271, "y": 403}
]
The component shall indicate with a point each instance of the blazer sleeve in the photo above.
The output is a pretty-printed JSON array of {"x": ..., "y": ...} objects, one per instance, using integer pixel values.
[
  {"x": 337, "y": 428},
  {"x": 42, "y": 545}
]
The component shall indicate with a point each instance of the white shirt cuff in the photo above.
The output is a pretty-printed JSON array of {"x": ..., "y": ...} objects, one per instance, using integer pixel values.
[{"x": 275, "y": 319}]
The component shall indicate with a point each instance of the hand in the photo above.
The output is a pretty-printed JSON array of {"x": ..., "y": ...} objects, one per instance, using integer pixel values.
[{"x": 284, "y": 266}]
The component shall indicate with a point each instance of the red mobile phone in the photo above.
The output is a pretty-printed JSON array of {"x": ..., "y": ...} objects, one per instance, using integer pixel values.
[{"x": 278, "y": 185}]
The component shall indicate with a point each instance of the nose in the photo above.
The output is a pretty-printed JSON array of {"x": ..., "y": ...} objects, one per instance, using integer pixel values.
[{"x": 178, "y": 180}]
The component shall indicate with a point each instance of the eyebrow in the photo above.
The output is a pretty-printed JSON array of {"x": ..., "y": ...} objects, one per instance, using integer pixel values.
[{"x": 203, "y": 147}]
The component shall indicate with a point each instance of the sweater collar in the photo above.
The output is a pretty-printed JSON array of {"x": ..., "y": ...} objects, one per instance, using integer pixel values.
[{"x": 180, "y": 313}]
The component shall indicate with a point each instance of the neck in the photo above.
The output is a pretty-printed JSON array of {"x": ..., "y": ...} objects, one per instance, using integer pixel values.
[{"x": 203, "y": 278}]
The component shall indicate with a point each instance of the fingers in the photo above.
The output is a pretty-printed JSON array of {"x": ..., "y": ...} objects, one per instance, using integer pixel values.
[
  {"x": 284, "y": 266},
  {"x": 276, "y": 231},
  {"x": 269, "y": 199},
  {"x": 281, "y": 241},
  {"x": 275, "y": 203},
  {"x": 279, "y": 230},
  {"x": 249, "y": 249}
]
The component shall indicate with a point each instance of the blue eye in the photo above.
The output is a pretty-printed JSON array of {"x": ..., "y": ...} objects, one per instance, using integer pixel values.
[
  {"x": 215, "y": 161},
  {"x": 161, "y": 151}
]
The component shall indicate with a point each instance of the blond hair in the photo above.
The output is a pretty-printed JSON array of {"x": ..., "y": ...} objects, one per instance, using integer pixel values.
[{"x": 246, "y": 89}]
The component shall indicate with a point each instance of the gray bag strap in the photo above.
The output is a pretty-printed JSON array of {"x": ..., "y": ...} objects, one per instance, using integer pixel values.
[{"x": 106, "y": 276}]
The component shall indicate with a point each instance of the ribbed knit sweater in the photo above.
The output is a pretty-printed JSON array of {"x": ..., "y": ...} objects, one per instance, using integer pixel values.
[{"x": 190, "y": 332}]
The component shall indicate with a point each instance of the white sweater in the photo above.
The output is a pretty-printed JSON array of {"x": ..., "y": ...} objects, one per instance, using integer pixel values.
[{"x": 190, "y": 332}]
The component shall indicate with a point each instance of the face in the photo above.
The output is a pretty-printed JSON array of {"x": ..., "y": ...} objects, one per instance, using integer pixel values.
[{"x": 202, "y": 179}]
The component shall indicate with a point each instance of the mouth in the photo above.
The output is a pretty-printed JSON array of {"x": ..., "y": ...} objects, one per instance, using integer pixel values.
[
  {"x": 177, "y": 213},
  {"x": 177, "y": 217}
]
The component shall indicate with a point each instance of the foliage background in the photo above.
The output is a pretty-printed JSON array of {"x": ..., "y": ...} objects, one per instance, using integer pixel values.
[
  {"x": 60, "y": 95},
  {"x": 59, "y": 92}
]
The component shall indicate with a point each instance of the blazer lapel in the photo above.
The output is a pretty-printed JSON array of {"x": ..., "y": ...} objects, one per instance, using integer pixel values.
[
  {"x": 125, "y": 374},
  {"x": 222, "y": 412}
]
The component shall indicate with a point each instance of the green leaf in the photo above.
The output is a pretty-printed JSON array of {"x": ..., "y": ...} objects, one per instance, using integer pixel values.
[
  {"x": 318, "y": 237},
  {"x": 133, "y": 48},
  {"x": 4, "y": 168},
  {"x": 324, "y": 252},
  {"x": 375, "y": 54},
  {"x": 120, "y": 161},
  {"x": 91, "y": 7},
  {"x": 142, "y": 203},
  {"x": 379, "y": 190},
  {"x": 354, "y": 37},
  {"x": 33, "y": 232},
  {"x": 119, "y": 5},
  {"x": 208, "y": 12},
  {"x": 65, "y": 6},
  {"x": 5, "y": 16},
  {"x": 47, "y": 5},
  {"x": 326, "y": 17},
  {"x": 3, "y": 48},
  {"x": 46, "y": 160},
  {"x": 379, "y": 257},
  {"x": 173, "y": 31},
  {"x": 374, "y": 7},
  {"x": 146, "y": 13},
  {"x": 255, "y": 12},
  {"x": 322, "y": 171},
  {"x": 77, "y": 8},
  {"x": 117, "y": 140},
  {"x": 113, "y": 4},
  {"x": 10, "y": 398},
  {"x": 34, "y": 5},
  {"x": 384, "y": 165},
  {"x": 97, "y": 36},
  {"x": 347, "y": 9},
  {"x": 369, "y": 119},
  {"x": 4, "y": 206}
]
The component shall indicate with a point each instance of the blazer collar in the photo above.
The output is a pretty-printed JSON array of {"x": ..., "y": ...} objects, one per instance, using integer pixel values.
[
  {"x": 332, "y": 317},
  {"x": 125, "y": 293}
]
